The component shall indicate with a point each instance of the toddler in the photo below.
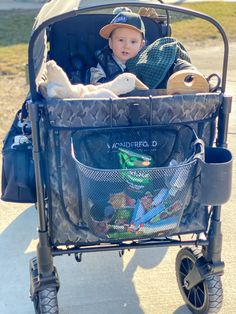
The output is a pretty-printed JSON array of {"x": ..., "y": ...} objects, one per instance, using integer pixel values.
[{"x": 126, "y": 37}]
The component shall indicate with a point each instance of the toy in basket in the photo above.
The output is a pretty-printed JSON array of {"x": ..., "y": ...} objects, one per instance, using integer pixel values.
[
  {"x": 141, "y": 206},
  {"x": 151, "y": 208},
  {"x": 129, "y": 160}
]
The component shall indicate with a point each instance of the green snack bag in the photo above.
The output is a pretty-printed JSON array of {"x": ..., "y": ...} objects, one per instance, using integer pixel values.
[{"x": 131, "y": 160}]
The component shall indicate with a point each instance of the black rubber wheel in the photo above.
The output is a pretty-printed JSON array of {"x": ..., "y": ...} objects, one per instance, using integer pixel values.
[
  {"x": 206, "y": 296},
  {"x": 45, "y": 301}
]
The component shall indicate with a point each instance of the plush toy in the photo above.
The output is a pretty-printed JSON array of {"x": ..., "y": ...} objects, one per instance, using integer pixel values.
[
  {"x": 149, "y": 12},
  {"x": 57, "y": 85}
]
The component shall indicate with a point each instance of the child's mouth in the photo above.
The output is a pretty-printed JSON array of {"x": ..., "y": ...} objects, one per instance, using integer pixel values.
[{"x": 126, "y": 54}]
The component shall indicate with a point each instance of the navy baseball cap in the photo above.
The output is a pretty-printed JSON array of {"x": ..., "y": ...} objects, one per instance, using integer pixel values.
[{"x": 124, "y": 19}]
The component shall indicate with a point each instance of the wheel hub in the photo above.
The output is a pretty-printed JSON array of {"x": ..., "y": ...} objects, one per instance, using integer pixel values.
[{"x": 186, "y": 283}]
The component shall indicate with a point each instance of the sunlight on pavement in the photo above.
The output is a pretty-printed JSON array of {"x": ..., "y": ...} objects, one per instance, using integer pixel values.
[{"x": 32, "y": 246}]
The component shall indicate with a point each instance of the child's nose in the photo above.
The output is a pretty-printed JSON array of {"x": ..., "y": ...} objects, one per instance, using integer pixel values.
[{"x": 127, "y": 44}]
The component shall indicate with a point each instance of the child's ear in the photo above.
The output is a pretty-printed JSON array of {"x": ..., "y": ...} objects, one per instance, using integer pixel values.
[{"x": 143, "y": 43}]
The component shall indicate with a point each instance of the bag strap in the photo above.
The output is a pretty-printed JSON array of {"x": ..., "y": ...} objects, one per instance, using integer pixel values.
[{"x": 24, "y": 111}]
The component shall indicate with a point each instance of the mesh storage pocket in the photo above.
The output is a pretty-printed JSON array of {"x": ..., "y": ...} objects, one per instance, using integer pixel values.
[{"x": 121, "y": 203}]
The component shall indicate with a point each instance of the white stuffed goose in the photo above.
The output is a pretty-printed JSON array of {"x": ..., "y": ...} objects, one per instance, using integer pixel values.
[{"x": 58, "y": 85}]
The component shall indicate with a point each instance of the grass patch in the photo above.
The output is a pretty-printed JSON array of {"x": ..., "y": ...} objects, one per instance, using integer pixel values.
[
  {"x": 15, "y": 30},
  {"x": 16, "y": 25},
  {"x": 13, "y": 59},
  {"x": 199, "y": 30}
]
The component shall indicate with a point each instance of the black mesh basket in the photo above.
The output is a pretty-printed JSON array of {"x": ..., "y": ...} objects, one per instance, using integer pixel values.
[{"x": 126, "y": 203}]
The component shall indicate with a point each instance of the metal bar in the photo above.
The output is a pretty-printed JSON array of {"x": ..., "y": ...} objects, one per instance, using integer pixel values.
[
  {"x": 223, "y": 121},
  {"x": 34, "y": 118},
  {"x": 215, "y": 237},
  {"x": 103, "y": 248},
  {"x": 216, "y": 214}
]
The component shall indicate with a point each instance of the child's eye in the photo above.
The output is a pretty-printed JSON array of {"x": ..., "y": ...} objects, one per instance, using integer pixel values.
[
  {"x": 121, "y": 40},
  {"x": 133, "y": 41}
]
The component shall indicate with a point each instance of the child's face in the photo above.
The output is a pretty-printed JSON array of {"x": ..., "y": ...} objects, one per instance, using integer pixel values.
[{"x": 125, "y": 43}]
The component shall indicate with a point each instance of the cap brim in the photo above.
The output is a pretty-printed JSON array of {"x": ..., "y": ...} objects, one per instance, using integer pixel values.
[{"x": 106, "y": 31}]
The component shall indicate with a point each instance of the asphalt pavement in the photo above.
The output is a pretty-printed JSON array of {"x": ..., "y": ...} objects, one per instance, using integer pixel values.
[{"x": 141, "y": 282}]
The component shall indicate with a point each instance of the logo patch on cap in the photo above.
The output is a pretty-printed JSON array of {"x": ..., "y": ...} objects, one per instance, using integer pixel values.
[{"x": 120, "y": 19}]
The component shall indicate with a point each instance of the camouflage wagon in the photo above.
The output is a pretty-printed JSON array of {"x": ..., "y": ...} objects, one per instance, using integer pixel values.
[{"x": 115, "y": 174}]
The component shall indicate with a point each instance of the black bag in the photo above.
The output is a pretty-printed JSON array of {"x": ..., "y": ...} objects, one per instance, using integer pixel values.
[{"x": 18, "y": 177}]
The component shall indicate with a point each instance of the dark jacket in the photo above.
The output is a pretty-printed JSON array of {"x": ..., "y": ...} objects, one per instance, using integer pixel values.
[
  {"x": 108, "y": 64},
  {"x": 177, "y": 66}
]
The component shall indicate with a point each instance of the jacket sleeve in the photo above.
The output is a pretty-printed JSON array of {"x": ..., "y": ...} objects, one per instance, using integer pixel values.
[
  {"x": 178, "y": 65},
  {"x": 182, "y": 65},
  {"x": 96, "y": 74}
]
